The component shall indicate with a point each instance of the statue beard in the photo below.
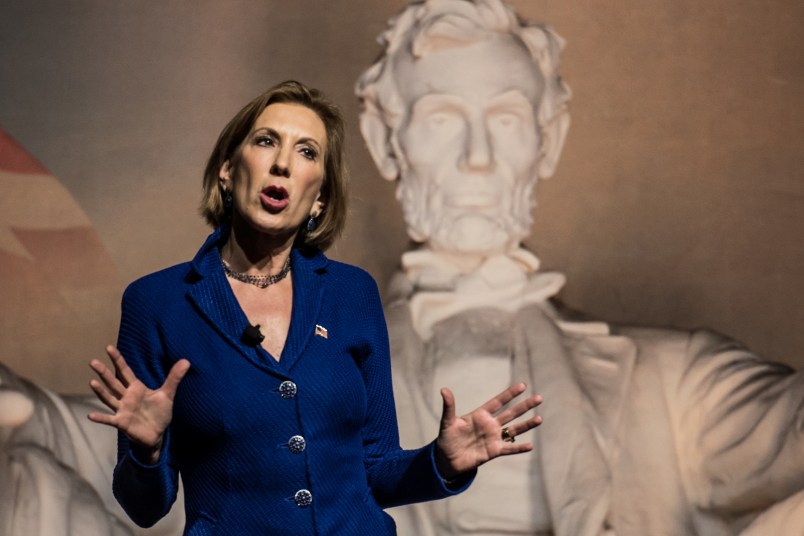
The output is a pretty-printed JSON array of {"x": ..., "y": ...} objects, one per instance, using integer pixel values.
[{"x": 465, "y": 230}]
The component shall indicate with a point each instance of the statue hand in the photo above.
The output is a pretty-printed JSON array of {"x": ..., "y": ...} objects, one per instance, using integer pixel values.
[
  {"x": 140, "y": 413},
  {"x": 464, "y": 443}
]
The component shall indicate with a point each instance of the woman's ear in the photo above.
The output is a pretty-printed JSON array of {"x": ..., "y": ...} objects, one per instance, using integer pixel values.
[
  {"x": 225, "y": 174},
  {"x": 318, "y": 207}
]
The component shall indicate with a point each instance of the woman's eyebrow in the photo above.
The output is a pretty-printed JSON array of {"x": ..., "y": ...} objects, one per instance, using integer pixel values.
[{"x": 304, "y": 139}]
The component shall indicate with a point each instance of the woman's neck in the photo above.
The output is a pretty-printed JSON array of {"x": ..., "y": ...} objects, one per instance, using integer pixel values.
[{"x": 253, "y": 252}]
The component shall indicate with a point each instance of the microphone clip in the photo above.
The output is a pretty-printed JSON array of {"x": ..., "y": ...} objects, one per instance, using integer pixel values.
[{"x": 252, "y": 336}]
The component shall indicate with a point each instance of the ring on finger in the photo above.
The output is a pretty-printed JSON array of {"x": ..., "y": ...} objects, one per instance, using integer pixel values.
[{"x": 507, "y": 436}]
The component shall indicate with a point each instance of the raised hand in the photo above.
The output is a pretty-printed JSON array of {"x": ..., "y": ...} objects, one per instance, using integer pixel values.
[
  {"x": 142, "y": 414},
  {"x": 467, "y": 442}
]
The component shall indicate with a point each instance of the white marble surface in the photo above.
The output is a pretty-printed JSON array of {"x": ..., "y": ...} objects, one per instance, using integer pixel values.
[{"x": 646, "y": 431}]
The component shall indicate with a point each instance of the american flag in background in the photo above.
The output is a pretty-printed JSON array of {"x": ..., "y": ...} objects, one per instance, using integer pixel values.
[{"x": 58, "y": 280}]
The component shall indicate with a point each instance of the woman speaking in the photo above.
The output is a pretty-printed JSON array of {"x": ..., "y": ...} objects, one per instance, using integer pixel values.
[{"x": 260, "y": 370}]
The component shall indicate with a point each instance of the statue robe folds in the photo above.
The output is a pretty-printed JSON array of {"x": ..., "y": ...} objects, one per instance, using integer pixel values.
[
  {"x": 646, "y": 431},
  {"x": 56, "y": 467}
]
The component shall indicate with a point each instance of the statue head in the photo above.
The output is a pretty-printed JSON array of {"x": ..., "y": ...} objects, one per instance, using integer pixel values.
[{"x": 465, "y": 109}]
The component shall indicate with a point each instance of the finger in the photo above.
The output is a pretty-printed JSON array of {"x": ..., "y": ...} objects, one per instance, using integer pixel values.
[
  {"x": 520, "y": 428},
  {"x": 511, "y": 413},
  {"x": 515, "y": 448},
  {"x": 102, "y": 418},
  {"x": 104, "y": 396},
  {"x": 495, "y": 404},
  {"x": 124, "y": 373},
  {"x": 448, "y": 407},
  {"x": 177, "y": 372},
  {"x": 112, "y": 383}
]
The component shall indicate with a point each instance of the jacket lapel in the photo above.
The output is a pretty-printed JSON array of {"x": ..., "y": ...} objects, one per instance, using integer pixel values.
[
  {"x": 604, "y": 365},
  {"x": 585, "y": 381},
  {"x": 212, "y": 296},
  {"x": 308, "y": 273},
  {"x": 214, "y": 300},
  {"x": 571, "y": 454}
]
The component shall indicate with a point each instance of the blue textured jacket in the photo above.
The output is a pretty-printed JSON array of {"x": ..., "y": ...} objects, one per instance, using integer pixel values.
[{"x": 306, "y": 445}]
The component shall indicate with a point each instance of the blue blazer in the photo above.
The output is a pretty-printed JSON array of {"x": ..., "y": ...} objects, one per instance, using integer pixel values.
[{"x": 306, "y": 445}]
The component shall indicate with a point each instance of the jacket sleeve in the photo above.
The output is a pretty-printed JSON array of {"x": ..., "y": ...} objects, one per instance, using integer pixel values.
[
  {"x": 742, "y": 426},
  {"x": 146, "y": 492},
  {"x": 395, "y": 476}
]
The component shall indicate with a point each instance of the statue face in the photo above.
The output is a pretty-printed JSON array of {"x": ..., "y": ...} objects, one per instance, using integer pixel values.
[{"x": 470, "y": 145}]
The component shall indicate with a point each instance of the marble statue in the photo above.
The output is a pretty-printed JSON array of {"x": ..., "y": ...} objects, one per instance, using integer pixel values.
[
  {"x": 646, "y": 431},
  {"x": 55, "y": 467}
]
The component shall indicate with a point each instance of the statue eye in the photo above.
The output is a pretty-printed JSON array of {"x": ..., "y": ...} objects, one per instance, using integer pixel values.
[
  {"x": 438, "y": 118},
  {"x": 506, "y": 119},
  {"x": 442, "y": 118}
]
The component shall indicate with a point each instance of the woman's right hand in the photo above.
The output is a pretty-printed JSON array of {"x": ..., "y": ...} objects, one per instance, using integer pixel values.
[{"x": 140, "y": 413}]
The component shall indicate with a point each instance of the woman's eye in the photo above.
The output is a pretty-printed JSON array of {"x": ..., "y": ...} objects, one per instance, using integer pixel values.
[
  {"x": 308, "y": 153},
  {"x": 265, "y": 141}
]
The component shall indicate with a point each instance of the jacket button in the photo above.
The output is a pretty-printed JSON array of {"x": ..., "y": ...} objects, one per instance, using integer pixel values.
[
  {"x": 297, "y": 444},
  {"x": 303, "y": 498},
  {"x": 287, "y": 389}
]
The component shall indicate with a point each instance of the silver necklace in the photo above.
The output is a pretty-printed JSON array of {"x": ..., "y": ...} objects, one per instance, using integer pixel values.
[{"x": 260, "y": 281}]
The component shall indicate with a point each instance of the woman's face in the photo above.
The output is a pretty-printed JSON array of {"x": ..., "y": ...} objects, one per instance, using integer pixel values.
[{"x": 276, "y": 178}]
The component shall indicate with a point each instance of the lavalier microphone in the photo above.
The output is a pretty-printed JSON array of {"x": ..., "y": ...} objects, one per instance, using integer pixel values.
[{"x": 252, "y": 336}]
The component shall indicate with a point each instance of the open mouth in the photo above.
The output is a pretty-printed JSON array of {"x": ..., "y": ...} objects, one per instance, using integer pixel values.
[
  {"x": 274, "y": 197},
  {"x": 277, "y": 193}
]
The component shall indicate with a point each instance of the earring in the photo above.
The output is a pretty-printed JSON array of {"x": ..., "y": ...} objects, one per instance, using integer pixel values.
[
  {"x": 227, "y": 199},
  {"x": 311, "y": 224}
]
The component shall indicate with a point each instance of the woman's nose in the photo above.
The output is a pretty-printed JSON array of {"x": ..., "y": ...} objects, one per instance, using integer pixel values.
[
  {"x": 279, "y": 170},
  {"x": 281, "y": 165}
]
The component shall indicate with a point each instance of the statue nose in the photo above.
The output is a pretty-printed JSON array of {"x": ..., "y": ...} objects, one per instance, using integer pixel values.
[{"x": 479, "y": 156}]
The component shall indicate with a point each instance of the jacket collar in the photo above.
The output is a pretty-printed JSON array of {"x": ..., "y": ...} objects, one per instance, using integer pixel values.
[{"x": 213, "y": 297}]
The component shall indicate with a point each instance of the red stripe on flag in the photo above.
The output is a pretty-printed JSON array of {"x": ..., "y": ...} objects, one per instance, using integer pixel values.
[{"x": 15, "y": 159}]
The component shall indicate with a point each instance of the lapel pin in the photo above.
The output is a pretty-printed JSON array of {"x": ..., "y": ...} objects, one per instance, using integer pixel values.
[{"x": 321, "y": 331}]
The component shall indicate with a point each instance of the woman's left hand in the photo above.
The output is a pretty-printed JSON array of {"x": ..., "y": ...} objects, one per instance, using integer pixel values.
[{"x": 464, "y": 443}]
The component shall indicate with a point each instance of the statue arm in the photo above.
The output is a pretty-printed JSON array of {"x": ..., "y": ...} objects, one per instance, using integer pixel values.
[{"x": 741, "y": 428}]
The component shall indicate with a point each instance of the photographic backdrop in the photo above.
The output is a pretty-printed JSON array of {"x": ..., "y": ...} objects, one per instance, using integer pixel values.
[{"x": 678, "y": 201}]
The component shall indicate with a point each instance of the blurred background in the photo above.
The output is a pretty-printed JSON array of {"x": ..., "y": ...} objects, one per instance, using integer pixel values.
[{"x": 679, "y": 199}]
